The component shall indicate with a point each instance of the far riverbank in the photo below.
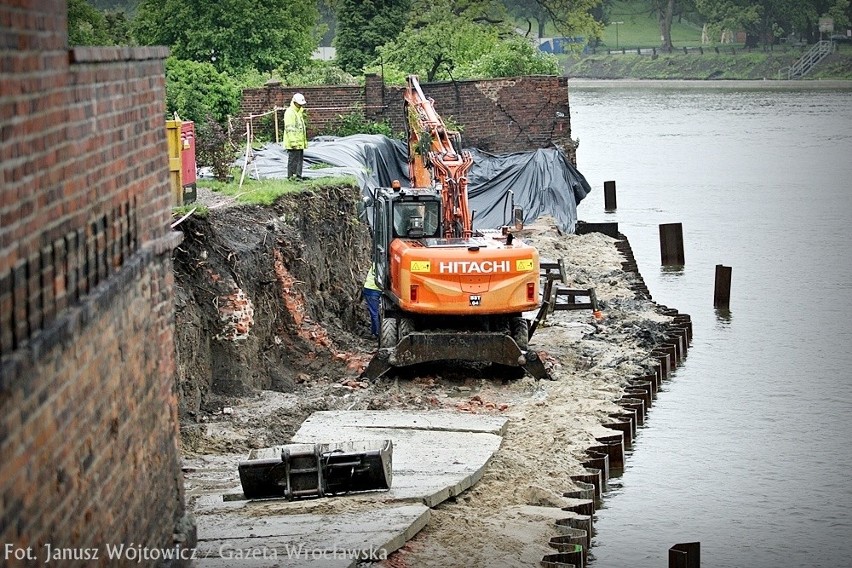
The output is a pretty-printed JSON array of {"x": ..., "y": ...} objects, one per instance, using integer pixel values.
[
  {"x": 581, "y": 82},
  {"x": 736, "y": 65}
]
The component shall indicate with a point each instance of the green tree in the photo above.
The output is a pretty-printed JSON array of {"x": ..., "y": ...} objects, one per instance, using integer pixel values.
[
  {"x": 86, "y": 25},
  {"x": 213, "y": 148},
  {"x": 568, "y": 17},
  {"x": 807, "y": 22},
  {"x": 363, "y": 26},
  {"x": 729, "y": 14},
  {"x": 197, "y": 91},
  {"x": 778, "y": 18},
  {"x": 765, "y": 21},
  {"x": 231, "y": 34},
  {"x": 665, "y": 10},
  {"x": 127, "y": 6},
  {"x": 510, "y": 58},
  {"x": 839, "y": 11},
  {"x": 441, "y": 36},
  {"x": 119, "y": 27}
]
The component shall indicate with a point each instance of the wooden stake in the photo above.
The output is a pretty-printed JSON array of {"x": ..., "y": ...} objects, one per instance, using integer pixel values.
[
  {"x": 275, "y": 110},
  {"x": 722, "y": 288},
  {"x": 610, "y": 202},
  {"x": 685, "y": 555},
  {"x": 671, "y": 244}
]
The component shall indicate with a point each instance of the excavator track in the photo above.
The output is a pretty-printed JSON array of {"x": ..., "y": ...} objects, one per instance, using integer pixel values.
[{"x": 424, "y": 347}]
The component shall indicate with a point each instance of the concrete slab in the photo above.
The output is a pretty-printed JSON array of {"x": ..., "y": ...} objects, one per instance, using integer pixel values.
[
  {"x": 398, "y": 419},
  {"x": 436, "y": 455},
  {"x": 265, "y": 533}
]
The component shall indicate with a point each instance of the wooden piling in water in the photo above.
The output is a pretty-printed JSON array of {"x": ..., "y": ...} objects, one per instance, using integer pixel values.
[
  {"x": 671, "y": 244},
  {"x": 722, "y": 288},
  {"x": 685, "y": 555},
  {"x": 610, "y": 201}
]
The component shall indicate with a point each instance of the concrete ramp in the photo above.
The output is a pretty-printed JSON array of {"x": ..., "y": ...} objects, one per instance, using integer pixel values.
[{"x": 436, "y": 455}]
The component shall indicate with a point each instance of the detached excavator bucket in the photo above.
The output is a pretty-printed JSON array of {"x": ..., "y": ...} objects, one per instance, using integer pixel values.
[
  {"x": 296, "y": 471},
  {"x": 423, "y": 347}
]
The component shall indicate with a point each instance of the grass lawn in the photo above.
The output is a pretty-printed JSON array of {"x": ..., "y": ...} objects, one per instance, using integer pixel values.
[
  {"x": 266, "y": 191},
  {"x": 639, "y": 27}
]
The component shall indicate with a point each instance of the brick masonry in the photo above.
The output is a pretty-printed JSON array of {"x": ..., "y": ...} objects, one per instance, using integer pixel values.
[
  {"x": 88, "y": 401},
  {"x": 498, "y": 115}
]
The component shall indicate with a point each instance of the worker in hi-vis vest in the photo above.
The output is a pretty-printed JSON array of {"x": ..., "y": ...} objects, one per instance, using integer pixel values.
[
  {"x": 373, "y": 296},
  {"x": 295, "y": 135}
]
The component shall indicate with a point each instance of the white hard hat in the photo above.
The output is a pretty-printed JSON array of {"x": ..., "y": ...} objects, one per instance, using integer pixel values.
[{"x": 299, "y": 99}]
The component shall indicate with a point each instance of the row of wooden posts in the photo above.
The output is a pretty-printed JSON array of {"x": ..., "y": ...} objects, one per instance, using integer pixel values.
[{"x": 671, "y": 251}]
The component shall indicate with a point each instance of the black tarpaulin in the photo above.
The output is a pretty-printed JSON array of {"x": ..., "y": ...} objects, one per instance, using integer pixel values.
[{"x": 541, "y": 182}]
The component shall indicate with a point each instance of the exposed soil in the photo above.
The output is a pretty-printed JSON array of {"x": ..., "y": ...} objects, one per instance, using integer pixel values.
[
  {"x": 248, "y": 382},
  {"x": 267, "y": 297}
]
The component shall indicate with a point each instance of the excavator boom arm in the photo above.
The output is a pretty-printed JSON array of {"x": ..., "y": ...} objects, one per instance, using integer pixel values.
[{"x": 435, "y": 156}]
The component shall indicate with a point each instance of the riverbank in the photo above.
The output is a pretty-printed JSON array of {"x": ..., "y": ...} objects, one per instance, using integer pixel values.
[
  {"x": 755, "y": 66},
  {"x": 740, "y": 84}
]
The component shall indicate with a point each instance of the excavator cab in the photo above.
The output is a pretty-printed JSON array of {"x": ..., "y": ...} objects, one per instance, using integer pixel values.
[{"x": 417, "y": 219}]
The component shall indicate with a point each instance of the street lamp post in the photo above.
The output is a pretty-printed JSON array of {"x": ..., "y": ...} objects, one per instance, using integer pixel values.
[{"x": 616, "y": 33}]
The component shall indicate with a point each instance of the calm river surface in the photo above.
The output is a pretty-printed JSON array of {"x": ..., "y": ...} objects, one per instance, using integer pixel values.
[{"x": 748, "y": 449}]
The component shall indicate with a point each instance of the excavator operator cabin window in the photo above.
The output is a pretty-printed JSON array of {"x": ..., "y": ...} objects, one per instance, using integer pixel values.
[{"x": 416, "y": 220}]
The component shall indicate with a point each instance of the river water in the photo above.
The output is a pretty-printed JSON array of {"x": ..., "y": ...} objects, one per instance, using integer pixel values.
[{"x": 747, "y": 448}]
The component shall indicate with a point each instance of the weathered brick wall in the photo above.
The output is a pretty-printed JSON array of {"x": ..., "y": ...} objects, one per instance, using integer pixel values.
[
  {"x": 498, "y": 115},
  {"x": 88, "y": 410},
  {"x": 325, "y": 104}
]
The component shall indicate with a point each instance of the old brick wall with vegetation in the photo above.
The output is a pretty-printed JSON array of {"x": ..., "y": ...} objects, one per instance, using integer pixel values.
[
  {"x": 497, "y": 115},
  {"x": 88, "y": 405}
]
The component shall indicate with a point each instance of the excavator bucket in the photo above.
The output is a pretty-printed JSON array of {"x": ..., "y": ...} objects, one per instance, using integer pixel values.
[
  {"x": 424, "y": 347},
  {"x": 296, "y": 471}
]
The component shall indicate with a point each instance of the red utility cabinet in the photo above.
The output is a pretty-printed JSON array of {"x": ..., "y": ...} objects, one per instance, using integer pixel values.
[{"x": 187, "y": 159}]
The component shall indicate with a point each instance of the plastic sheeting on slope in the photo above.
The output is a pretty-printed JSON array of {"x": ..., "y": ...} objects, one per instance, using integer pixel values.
[{"x": 541, "y": 182}]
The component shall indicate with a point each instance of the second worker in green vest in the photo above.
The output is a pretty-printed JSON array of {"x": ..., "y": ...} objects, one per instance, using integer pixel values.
[{"x": 295, "y": 135}]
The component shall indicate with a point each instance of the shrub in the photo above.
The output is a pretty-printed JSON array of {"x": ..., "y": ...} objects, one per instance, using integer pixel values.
[
  {"x": 511, "y": 58},
  {"x": 196, "y": 91},
  {"x": 213, "y": 148},
  {"x": 355, "y": 123}
]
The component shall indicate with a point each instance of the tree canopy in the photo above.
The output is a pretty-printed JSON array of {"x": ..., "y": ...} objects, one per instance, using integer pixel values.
[
  {"x": 218, "y": 45},
  {"x": 197, "y": 91},
  {"x": 363, "y": 26},
  {"x": 445, "y": 39},
  {"x": 86, "y": 24},
  {"x": 764, "y": 21},
  {"x": 568, "y": 17},
  {"x": 439, "y": 37},
  {"x": 232, "y": 35}
]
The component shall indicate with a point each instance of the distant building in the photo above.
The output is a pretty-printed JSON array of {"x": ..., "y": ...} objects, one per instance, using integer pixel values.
[{"x": 324, "y": 53}]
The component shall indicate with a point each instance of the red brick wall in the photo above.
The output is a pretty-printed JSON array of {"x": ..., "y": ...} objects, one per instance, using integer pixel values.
[
  {"x": 498, "y": 115},
  {"x": 88, "y": 410}
]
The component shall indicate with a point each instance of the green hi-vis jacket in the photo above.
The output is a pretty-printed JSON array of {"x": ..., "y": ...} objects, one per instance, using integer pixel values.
[
  {"x": 370, "y": 280},
  {"x": 295, "y": 133}
]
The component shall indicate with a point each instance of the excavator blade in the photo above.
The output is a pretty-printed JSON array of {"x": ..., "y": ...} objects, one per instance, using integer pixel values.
[{"x": 423, "y": 347}]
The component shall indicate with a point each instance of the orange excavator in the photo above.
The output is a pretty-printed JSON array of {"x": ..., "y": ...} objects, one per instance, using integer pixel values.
[{"x": 449, "y": 292}]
